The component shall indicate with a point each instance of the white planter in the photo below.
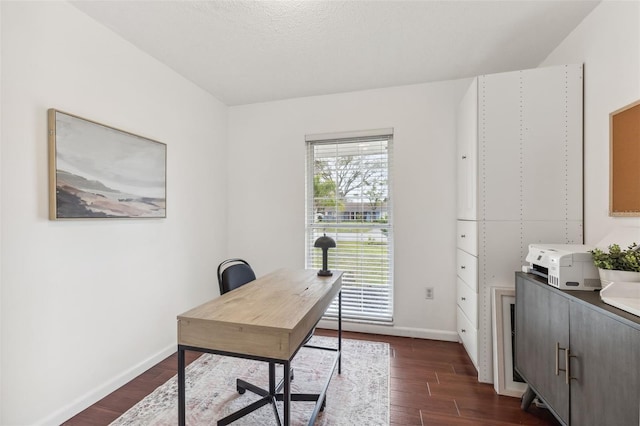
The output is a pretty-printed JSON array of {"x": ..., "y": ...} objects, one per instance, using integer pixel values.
[{"x": 608, "y": 276}]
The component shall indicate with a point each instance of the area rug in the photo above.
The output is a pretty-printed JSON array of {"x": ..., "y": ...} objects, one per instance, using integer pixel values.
[{"x": 358, "y": 396}]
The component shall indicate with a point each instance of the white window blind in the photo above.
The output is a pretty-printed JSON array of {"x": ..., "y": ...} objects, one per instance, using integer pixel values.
[{"x": 349, "y": 199}]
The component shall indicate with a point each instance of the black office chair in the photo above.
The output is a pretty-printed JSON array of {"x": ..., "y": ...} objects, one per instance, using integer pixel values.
[{"x": 234, "y": 273}]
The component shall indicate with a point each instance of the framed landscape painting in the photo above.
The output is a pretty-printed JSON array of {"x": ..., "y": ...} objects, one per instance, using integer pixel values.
[{"x": 96, "y": 171}]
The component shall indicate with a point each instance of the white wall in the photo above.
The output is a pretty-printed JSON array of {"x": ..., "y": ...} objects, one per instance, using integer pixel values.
[
  {"x": 1, "y": 97},
  {"x": 267, "y": 188},
  {"x": 608, "y": 42},
  {"x": 86, "y": 305}
]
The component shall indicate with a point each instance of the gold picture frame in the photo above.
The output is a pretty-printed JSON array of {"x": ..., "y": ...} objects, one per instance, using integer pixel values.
[
  {"x": 97, "y": 171},
  {"x": 624, "y": 161}
]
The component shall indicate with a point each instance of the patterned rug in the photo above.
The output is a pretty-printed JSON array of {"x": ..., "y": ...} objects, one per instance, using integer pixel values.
[{"x": 358, "y": 396}]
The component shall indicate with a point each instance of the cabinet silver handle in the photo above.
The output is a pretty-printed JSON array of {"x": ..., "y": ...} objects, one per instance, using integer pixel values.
[
  {"x": 567, "y": 357},
  {"x": 567, "y": 374},
  {"x": 464, "y": 157},
  {"x": 566, "y": 365},
  {"x": 463, "y": 298},
  {"x": 463, "y": 330},
  {"x": 463, "y": 267},
  {"x": 463, "y": 236}
]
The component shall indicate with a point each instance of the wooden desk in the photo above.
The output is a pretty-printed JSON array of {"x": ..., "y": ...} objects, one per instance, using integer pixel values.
[{"x": 265, "y": 320}]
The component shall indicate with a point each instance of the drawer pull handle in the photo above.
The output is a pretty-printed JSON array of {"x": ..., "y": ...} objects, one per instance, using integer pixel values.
[
  {"x": 463, "y": 298},
  {"x": 463, "y": 330},
  {"x": 463, "y": 236},
  {"x": 464, "y": 157},
  {"x": 463, "y": 267},
  {"x": 567, "y": 374},
  {"x": 567, "y": 357}
]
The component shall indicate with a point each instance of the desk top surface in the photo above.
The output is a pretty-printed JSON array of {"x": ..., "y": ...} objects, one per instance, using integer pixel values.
[
  {"x": 267, "y": 318},
  {"x": 279, "y": 300}
]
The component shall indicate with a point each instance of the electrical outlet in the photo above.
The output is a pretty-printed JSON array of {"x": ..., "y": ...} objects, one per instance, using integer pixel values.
[{"x": 428, "y": 294}]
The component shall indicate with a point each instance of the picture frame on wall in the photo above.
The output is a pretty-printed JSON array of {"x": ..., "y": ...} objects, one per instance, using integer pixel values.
[
  {"x": 97, "y": 171},
  {"x": 506, "y": 380},
  {"x": 624, "y": 161}
]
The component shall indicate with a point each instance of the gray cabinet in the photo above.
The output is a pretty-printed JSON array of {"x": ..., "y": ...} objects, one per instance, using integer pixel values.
[
  {"x": 542, "y": 321},
  {"x": 579, "y": 355},
  {"x": 605, "y": 389}
]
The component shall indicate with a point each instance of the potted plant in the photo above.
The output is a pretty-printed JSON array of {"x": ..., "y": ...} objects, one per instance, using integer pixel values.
[{"x": 617, "y": 264}]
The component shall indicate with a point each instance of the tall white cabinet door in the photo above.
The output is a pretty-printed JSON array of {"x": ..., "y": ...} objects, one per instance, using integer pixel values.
[
  {"x": 499, "y": 147},
  {"x": 501, "y": 254},
  {"x": 551, "y": 160},
  {"x": 551, "y": 232},
  {"x": 467, "y": 163}
]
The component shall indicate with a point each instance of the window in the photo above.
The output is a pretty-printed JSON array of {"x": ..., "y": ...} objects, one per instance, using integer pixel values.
[{"x": 349, "y": 199}]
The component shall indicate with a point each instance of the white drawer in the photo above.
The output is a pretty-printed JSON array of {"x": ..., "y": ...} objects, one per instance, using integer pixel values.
[
  {"x": 469, "y": 337},
  {"x": 467, "y": 268},
  {"x": 468, "y": 236},
  {"x": 468, "y": 302}
]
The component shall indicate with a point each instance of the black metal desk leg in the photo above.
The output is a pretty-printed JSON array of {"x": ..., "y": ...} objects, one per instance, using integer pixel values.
[
  {"x": 287, "y": 393},
  {"x": 273, "y": 389},
  {"x": 181, "y": 385},
  {"x": 340, "y": 332}
]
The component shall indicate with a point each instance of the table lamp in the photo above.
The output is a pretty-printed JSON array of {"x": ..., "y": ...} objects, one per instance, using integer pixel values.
[{"x": 325, "y": 243}]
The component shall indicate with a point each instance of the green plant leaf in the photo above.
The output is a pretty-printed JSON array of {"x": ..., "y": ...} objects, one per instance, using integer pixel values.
[{"x": 618, "y": 259}]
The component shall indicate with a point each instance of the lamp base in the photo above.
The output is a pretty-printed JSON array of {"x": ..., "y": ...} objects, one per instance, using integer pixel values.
[{"x": 325, "y": 273}]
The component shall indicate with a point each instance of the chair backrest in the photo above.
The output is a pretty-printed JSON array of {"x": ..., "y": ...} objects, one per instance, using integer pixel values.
[{"x": 233, "y": 273}]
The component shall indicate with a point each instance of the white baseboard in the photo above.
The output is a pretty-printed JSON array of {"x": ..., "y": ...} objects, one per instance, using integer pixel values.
[
  {"x": 90, "y": 398},
  {"x": 391, "y": 330}
]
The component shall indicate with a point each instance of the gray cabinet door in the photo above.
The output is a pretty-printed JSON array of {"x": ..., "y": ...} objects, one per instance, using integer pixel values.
[
  {"x": 542, "y": 321},
  {"x": 606, "y": 388}
]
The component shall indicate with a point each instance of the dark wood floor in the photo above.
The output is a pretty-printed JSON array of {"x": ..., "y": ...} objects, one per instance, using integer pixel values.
[{"x": 432, "y": 383}]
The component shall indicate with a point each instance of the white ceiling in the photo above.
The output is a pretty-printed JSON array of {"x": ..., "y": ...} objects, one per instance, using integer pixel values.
[{"x": 253, "y": 51}]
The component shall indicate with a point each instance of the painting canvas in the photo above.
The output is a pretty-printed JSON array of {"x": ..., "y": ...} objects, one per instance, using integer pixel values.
[{"x": 97, "y": 171}]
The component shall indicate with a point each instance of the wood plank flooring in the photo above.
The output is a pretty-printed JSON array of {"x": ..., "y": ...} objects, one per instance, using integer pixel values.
[{"x": 432, "y": 383}]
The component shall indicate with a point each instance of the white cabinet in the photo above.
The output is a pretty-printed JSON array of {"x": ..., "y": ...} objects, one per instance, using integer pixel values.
[
  {"x": 468, "y": 335},
  {"x": 467, "y": 269},
  {"x": 468, "y": 236},
  {"x": 519, "y": 147},
  {"x": 468, "y": 303},
  {"x": 467, "y": 144}
]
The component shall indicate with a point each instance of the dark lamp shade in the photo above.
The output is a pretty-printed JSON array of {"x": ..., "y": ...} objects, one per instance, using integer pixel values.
[{"x": 325, "y": 242}]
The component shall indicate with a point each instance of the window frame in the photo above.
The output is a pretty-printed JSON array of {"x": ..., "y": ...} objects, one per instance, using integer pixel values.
[{"x": 362, "y": 301}]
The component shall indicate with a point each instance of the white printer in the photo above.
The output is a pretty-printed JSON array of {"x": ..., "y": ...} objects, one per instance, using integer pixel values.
[{"x": 565, "y": 266}]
